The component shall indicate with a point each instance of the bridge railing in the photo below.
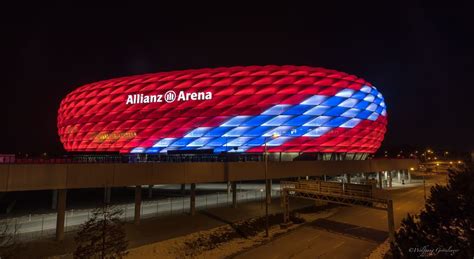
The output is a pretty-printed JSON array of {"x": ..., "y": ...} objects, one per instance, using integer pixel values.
[{"x": 359, "y": 190}]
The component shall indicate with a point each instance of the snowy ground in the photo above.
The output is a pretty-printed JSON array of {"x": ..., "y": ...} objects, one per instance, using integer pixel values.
[{"x": 177, "y": 248}]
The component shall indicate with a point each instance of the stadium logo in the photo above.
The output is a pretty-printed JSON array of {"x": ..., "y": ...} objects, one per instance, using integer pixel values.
[{"x": 169, "y": 97}]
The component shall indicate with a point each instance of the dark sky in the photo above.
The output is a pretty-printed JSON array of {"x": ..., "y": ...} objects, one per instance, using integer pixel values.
[{"x": 418, "y": 54}]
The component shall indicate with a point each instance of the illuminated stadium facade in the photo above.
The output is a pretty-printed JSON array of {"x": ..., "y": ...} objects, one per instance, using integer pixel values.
[{"x": 239, "y": 109}]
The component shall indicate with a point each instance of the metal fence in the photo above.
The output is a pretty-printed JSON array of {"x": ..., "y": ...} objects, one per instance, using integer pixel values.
[{"x": 35, "y": 226}]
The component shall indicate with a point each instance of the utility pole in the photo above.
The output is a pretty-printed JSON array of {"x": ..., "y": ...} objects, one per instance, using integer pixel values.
[
  {"x": 266, "y": 190},
  {"x": 424, "y": 186}
]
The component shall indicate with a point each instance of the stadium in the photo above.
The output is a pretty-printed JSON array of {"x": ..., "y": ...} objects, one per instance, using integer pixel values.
[{"x": 289, "y": 109}]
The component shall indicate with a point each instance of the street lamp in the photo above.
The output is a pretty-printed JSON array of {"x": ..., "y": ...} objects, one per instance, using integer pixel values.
[
  {"x": 267, "y": 197},
  {"x": 424, "y": 187}
]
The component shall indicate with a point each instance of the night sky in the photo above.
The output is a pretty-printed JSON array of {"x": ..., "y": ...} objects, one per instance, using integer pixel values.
[{"x": 418, "y": 54}]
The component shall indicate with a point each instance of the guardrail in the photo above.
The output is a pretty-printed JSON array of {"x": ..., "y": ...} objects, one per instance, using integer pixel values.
[{"x": 358, "y": 190}]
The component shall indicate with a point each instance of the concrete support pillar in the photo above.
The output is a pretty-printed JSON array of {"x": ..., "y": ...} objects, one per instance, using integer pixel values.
[
  {"x": 107, "y": 194},
  {"x": 409, "y": 176},
  {"x": 399, "y": 177},
  {"x": 150, "y": 191},
  {"x": 348, "y": 178},
  {"x": 390, "y": 179},
  {"x": 192, "y": 203},
  {"x": 61, "y": 213},
  {"x": 228, "y": 188},
  {"x": 380, "y": 180},
  {"x": 183, "y": 188},
  {"x": 386, "y": 175},
  {"x": 54, "y": 199},
  {"x": 324, "y": 177},
  {"x": 234, "y": 194},
  {"x": 138, "y": 203}
]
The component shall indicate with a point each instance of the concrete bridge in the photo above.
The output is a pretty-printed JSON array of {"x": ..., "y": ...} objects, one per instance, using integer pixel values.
[{"x": 60, "y": 177}]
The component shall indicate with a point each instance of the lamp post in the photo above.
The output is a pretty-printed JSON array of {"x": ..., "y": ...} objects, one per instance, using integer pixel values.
[
  {"x": 267, "y": 197},
  {"x": 424, "y": 187}
]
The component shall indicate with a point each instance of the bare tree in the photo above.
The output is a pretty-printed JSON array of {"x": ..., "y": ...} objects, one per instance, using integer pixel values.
[
  {"x": 103, "y": 235},
  {"x": 8, "y": 244}
]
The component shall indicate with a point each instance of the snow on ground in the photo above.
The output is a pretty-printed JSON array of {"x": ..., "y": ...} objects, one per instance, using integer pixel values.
[{"x": 179, "y": 247}]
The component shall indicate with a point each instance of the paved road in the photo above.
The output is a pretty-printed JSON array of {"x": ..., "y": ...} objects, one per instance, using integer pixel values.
[
  {"x": 352, "y": 232},
  {"x": 42, "y": 223}
]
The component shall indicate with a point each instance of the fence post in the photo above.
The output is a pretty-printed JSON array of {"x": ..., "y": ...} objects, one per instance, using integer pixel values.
[{"x": 42, "y": 225}]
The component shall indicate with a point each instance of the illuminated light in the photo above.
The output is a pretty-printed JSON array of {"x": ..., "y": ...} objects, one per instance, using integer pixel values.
[
  {"x": 200, "y": 142},
  {"x": 244, "y": 105},
  {"x": 412, "y": 169},
  {"x": 236, "y": 121},
  {"x": 366, "y": 89},
  {"x": 138, "y": 150},
  {"x": 236, "y": 132},
  {"x": 198, "y": 132},
  {"x": 164, "y": 142},
  {"x": 318, "y": 110},
  {"x": 374, "y": 116},
  {"x": 277, "y": 109},
  {"x": 351, "y": 113},
  {"x": 350, "y": 123},
  {"x": 369, "y": 98},
  {"x": 315, "y": 100},
  {"x": 345, "y": 93},
  {"x": 372, "y": 107}
]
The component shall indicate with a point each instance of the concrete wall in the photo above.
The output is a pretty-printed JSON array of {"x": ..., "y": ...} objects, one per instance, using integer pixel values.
[{"x": 22, "y": 177}]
